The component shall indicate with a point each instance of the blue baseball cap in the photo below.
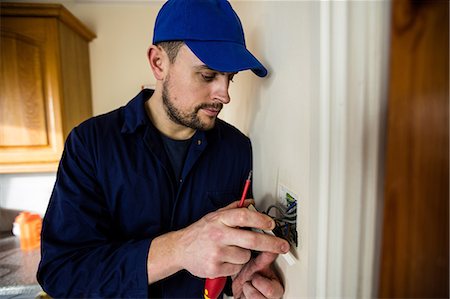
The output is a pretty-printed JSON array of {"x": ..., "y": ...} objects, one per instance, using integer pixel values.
[{"x": 211, "y": 29}]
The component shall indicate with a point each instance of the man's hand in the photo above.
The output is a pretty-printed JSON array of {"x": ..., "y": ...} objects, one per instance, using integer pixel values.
[
  {"x": 215, "y": 246},
  {"x": 258, "y": 279}
]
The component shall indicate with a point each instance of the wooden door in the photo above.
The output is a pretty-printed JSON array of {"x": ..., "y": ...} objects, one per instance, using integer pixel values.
[{"x": 415, "y": 242}]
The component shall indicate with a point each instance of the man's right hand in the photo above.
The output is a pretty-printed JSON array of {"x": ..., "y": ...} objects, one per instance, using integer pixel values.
[{"x": 214, "y": 246}]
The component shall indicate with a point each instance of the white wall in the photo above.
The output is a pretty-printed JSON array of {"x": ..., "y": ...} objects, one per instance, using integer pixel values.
[
  {"x": 281, "y": 114},
  {"x": 275, "y": 111},
  {"x": 26, "y": 191},
  {"x": 118, "y": 55}
]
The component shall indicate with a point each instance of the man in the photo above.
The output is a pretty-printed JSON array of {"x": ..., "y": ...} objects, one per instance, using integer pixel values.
[{"x": 144, "y": 203}]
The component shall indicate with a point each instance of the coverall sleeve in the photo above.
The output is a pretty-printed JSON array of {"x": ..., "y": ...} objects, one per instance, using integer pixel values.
[{"x": 80, "y": 255}]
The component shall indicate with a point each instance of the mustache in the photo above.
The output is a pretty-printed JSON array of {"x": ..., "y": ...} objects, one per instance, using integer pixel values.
[{"x": 216, "y": 106}]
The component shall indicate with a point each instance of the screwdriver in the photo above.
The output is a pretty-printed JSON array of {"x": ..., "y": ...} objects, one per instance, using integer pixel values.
[{"x": 214, "y": 286}]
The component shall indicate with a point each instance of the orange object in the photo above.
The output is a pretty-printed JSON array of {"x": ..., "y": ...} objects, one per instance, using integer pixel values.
[{"x": 30, "y": 230}]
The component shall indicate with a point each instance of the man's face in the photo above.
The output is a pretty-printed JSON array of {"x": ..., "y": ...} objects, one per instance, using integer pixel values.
[{"x": 193, "y": 94}]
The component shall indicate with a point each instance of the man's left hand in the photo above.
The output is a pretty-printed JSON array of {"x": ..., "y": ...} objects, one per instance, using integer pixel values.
[{"x": 258, "y": 279}]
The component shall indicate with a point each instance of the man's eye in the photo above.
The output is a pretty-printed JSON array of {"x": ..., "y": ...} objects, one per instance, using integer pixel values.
[{"x": 208, "y": 77}]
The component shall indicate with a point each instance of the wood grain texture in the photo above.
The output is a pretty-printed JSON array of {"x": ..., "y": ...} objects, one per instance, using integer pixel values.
[
  {"x": 45, "y": 85},
  {"x": 22, "y": 110},
  {"x": 415, "y": 245},
  {"x": 41, "y": 32},
  {"x": 75, "y": 72}
]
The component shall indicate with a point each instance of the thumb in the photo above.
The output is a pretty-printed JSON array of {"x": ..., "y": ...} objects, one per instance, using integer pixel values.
[{"x": 263, "y": 260}]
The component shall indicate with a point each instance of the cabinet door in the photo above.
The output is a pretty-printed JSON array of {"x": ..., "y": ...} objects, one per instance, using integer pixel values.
[{"x": 30, "y": 121}]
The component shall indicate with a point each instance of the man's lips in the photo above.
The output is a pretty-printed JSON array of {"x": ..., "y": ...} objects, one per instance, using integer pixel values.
[{"x": 211, "y": 111}]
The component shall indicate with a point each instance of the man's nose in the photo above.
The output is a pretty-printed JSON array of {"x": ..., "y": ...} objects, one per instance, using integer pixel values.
[{"x": 221, "y": 93}]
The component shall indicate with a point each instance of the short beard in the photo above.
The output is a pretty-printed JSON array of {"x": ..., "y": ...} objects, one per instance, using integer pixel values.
[{"x": 190, "y": 120}]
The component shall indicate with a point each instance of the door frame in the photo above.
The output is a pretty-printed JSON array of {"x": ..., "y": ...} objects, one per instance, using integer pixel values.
[{"x": 347, "y": 146}]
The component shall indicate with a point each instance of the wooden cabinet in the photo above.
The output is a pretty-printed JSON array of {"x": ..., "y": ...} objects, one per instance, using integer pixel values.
[{"x": 45, "y": 87}]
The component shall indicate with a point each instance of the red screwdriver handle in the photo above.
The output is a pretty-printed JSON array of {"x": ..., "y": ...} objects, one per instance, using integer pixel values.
[{"x": 213, "y": 287}]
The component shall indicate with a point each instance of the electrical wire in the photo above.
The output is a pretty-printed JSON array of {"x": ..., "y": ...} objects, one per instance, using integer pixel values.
[{"x": 286, "y": 221}]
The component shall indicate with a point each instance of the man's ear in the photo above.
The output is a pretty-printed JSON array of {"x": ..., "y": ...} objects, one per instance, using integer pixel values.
[{"x": 158, "y": 61}]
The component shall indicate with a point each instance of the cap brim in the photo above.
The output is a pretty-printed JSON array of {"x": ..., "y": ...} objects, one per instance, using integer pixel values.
[{"x": 226, "y": 56}]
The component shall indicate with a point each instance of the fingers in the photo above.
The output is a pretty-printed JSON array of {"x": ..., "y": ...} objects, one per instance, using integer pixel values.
[
  {"x": 215, "y": 245},
  {"x": 259, "y": 287},
  {"x": 269, "y": 288},
  {"x": 260, "y": 273},
  {"x": 250, "y": 292},
  {"x": 263, "y": 260},
  {"x": 260, "y": 264},
  {"x": 254, "y": 241},
  {"x": 234, "y": 258},
  {"x": 232, "y": 218},
  {"x": 236, "y": 255},
  {"x": 224, "y": 269},
  {"x": 246, "y": 218}
]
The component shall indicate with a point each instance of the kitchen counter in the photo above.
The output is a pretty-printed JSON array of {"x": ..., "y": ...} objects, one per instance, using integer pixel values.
[{"x": 17, "y": 269}]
